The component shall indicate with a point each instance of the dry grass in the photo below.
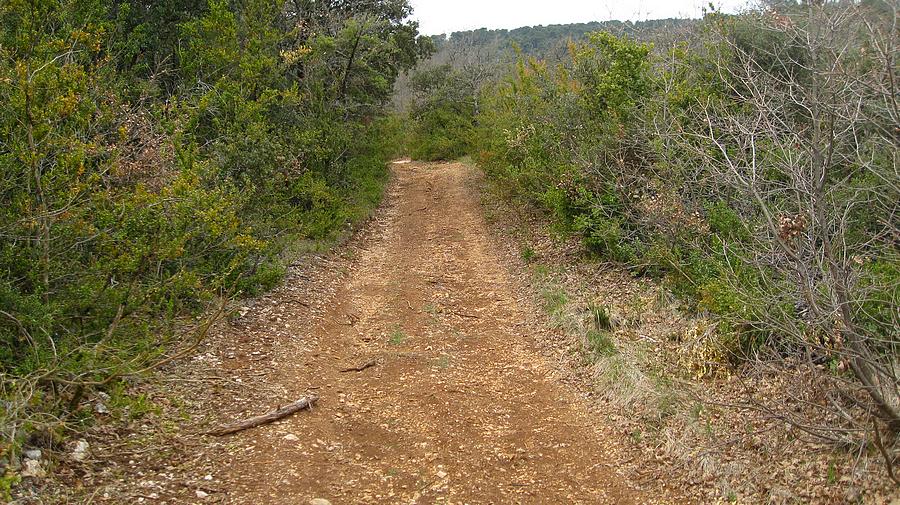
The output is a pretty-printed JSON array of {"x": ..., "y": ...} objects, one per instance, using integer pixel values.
[{"x": 670, "y": 387}]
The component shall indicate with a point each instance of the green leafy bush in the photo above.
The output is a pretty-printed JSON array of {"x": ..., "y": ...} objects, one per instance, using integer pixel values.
[
  {"x": 630, "y": 150},
  {"x": 156, "y": 159},
  {"x": 442, "y": 115}
]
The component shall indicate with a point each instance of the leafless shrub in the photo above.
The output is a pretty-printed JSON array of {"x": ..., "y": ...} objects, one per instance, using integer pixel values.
[{"x": 807, "y": 150}]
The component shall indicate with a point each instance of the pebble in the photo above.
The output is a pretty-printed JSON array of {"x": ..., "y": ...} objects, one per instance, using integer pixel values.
[
  {"x": 202, "y": 494},
  {"x": 33, "y": 469},
  {"x": 319, "y": 501},
  {"x": 80, "y": 453},
  {"x": 33, "y": 454},
  {"x": 290, "y": 437}
]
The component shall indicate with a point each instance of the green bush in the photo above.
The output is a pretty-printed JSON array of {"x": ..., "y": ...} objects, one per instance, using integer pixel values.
[
  {"x": 572, "y": 140},
  {"x": 158, "y": 158},
  {"x": 442, "y": 116},
  {"x": 724, "y": 222}
]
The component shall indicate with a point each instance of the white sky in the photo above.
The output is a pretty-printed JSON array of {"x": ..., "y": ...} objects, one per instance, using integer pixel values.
[{"x": 445, "y": 16}]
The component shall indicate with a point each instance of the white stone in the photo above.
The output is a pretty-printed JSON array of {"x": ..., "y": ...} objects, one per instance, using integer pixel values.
[
  {"x": 290, "y": 437},
  {"x": 80, "y": 452},
  {"x": 441, "y": 474},
  {"x": 319, "y": 501},
  {"x": 33, "y": 454},
  {"x": 201, "y": 494},
  {"x": 33, "y": 469}
]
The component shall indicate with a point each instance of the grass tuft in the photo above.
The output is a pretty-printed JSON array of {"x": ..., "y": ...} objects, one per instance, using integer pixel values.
[{"x": 397, "y": 337}]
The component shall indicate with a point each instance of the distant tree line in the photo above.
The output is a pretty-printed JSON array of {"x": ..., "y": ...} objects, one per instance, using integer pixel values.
[{"x": 536, "y": 40}]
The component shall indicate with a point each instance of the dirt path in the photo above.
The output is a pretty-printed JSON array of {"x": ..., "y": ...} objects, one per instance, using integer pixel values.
[{"x": 460, "y": 408}]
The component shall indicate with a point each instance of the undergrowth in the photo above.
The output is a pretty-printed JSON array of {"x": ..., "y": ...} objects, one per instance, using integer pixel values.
[{"x": 160, "y": 160}]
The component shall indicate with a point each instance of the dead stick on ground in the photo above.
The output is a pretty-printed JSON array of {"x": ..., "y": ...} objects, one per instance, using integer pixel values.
[
  {"x": 367, "y": 364},
  {"x": 297, "y": 406}
]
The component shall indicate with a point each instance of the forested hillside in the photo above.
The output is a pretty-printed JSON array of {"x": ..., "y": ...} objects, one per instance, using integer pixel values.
[
  {"x": 750, "y": 165},
  {"x": 159, "y": 159},
  {"x": 537, "y": 40}
]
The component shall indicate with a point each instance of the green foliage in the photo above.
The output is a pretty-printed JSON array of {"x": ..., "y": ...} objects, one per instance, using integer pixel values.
[
  {"x": 528, "y": 254},
  {"x": 539, "y": 113},
  {"x": 571, "y": 140},
  {"x": 600, "y": 343},
  {"x": 397, "y": 336},
  {"x": 600, "y": 317},
  {"x": 613, "y": 143},
  {"x": 442, "y": 115},
  {"x": 725, "y": 222},
  {"x": 7, "y": 481},
  {"x": 879, "y": 277},
  {"x": 131, "y": 406},
  {"x": 155, "y": 158},
  {"x": 614, "y": 72},
  {"x": 554, "y": 300},
  {"x": 543, "y": 39}
]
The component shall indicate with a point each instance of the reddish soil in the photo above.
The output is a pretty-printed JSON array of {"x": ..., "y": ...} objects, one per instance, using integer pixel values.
[
  {"x": 468, "y": 400},
  {"x": 461, "y": 407}
]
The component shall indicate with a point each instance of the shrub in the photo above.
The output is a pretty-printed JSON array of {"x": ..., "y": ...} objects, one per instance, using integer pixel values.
[
  {"x": 745, "y": 167},
  {"x": 157, "y": 161}
]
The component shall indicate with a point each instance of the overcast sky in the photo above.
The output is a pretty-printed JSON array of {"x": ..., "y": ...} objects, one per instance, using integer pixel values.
[{"x": 445, "y": 16}]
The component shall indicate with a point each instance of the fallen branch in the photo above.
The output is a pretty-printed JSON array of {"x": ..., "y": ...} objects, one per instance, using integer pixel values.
[
  {"x": 367, "y": 364},
  {"x": 253, "y": 422}
]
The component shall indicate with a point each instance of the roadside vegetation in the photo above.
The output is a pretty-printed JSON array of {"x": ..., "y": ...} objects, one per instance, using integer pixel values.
[
  {"x": 747, "y": 162},
  {"x": 160, "y": 159}
]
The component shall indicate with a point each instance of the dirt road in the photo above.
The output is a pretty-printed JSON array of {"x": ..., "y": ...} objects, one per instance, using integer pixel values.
[{"x": 460, "y": 407}]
